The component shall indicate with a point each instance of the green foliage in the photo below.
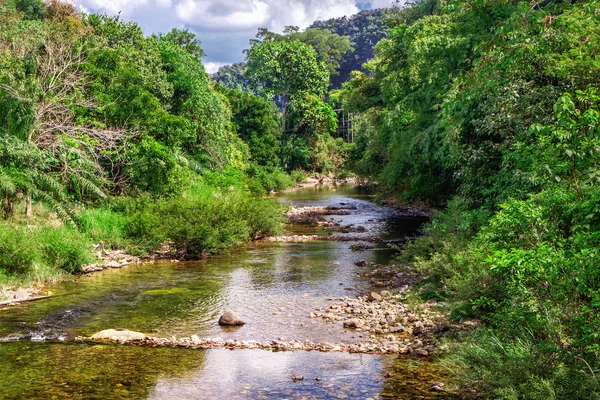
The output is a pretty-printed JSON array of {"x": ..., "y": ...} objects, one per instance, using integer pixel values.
[
  {"x": 105, "y": 225},
  {"x": 16, "y": 255},
  {"x": 257, "y": 122},
  {"x": 330, "y": 47},
  {"x": 495, "y": 105},
  {"x": 264, "y": 180},
  {"x": 65, "y": 249},
  {"x": 205, "y": 220},
  {"x": 33, "y": 9},
  {"x": 185, "y": 39},
  {"x": 288, "y": 69},
  {"x": 233, "y": 77},
  {"x": 26, "y": 251},
  {"x": 295, "y": 153}
]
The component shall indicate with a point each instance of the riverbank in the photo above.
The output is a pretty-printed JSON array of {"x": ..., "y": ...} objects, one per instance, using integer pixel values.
[{"x": 207, "y": 218}]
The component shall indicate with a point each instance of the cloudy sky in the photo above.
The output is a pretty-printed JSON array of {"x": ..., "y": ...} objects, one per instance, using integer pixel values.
[{"x": 226, "y": 26}]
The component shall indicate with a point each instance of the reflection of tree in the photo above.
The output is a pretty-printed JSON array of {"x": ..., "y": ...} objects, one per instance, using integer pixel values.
[
  {"x": 304, "y": 262},
  {"x": 41, "y": 371}
]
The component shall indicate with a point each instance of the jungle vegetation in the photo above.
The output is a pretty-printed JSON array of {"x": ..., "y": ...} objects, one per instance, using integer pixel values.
[
  {"x": 490, "y": 111},
  {"x": 486, "y": 110}
]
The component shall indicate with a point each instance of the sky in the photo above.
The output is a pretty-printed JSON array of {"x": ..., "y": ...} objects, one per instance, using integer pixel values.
[{"x": 225, "y": 26}]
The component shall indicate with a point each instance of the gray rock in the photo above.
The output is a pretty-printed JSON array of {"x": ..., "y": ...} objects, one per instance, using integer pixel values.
[
  {"x": 230, "y": 319},
  {"x": 417, "y": 328},
  {"x": 21, "y": 294},
  {"x": 437, "y": 387},
  {"x": 353, "y": 323},
  {"x": 422, "y": 352}
]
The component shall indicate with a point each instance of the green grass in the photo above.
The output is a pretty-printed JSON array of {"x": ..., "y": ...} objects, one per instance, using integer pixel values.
[
  {"x": 33, "y": 254},
  {"x": 219, "y": 212}
]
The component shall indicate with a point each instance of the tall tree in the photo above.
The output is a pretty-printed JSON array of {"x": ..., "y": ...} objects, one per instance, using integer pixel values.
[
  {"x": 185, "y": 39},
  {"x": 330, "y": 47},
  {"x": 286, "y": 69}
]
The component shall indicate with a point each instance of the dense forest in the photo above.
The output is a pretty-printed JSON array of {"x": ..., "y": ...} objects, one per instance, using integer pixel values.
[
  {"x": 364, "y": 30},
  {"x": 491, "y": 110},
  {"x": 487, "y": 111},
  {"x": 112, "y": 137}
]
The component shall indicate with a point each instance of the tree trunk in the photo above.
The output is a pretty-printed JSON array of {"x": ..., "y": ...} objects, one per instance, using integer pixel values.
[
  {"x": 9, "y": 205},
  {"x": 28, "y": 205},
  {"x": 283, "y": 110}
]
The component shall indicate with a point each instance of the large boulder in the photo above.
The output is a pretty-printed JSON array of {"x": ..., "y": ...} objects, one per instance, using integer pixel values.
[
  {"x": 230, "y": 319},
  {"x": 121, "y": 335}
]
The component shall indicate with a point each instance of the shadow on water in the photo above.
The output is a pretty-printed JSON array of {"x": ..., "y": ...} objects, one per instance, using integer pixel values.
[{"x": 273, "y": 286}]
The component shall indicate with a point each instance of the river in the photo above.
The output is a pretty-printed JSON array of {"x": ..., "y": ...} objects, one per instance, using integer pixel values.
[{"x": 272, "y": 286}]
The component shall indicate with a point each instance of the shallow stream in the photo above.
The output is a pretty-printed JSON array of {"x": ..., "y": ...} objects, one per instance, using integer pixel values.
[{"x": 272, "y": 286}]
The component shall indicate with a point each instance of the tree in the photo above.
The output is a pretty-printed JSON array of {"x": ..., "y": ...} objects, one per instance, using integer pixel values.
[
  {"x": 286, "y": 69},
  {"x": 330, "y": 47},
  {"x": 185, "y": 39},
  {"x": 257, "y": 124},
  {"x": 364, "y": 30},
  {"x": 233, "y": 76},
  {"x": 44, "y": 84},
  {"x": 33, "y": 9}
]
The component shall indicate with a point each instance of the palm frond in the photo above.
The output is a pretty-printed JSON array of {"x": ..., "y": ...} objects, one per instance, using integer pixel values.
[
  {"x": 188, "y": 162},
  {"x": 62, "y": 209},
  {"x": 7, "y": 184},
  {"x": 87, "y": 186}
]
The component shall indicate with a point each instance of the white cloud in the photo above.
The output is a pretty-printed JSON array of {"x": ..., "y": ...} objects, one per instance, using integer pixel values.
[
  {"x": 212, "y": 67},
  {"x": 224, "y": 26}
]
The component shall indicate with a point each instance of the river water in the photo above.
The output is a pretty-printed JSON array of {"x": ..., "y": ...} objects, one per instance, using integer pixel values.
[{"x": 272, "y": 286}]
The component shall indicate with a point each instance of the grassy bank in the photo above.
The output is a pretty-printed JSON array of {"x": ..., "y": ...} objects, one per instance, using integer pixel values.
[{"x": 218, "y": 212}]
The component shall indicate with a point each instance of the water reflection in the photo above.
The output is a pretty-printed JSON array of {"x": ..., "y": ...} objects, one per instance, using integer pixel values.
[{"x": 264, "y": 375}]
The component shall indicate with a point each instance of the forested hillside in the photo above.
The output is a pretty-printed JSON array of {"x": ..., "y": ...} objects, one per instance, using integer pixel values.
[
  {"x": 491, "y": 109},
  {"x": 364, "y": 30}
]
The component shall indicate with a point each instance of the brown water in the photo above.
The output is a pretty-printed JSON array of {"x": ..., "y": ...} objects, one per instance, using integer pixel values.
[{"x": 273, "y": 287}]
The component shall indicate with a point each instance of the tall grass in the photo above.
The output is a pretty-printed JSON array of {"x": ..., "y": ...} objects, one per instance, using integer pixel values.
[{"x": 31, "y": 254}]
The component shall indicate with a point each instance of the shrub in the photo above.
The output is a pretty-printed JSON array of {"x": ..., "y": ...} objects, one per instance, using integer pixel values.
[
  {"x": 64, "y": 248},
  {"x": 17, "y": 250}
]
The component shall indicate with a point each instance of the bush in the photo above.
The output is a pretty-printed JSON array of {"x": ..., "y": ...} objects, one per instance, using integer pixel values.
[
  {"x": 17, "y": 250},
  {"x": 105, "y": 225},
  {"x": 263, "y": 180},
  {"x": 207, "y": 219},
  {"x": 64, "y": 248}
]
